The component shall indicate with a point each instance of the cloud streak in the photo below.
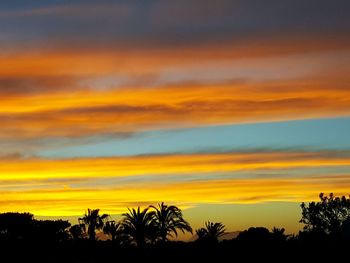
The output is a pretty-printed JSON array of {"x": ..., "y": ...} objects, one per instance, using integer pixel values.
[
  {"x": 89, "y": 113},
  {"x": 65, "y": 187},
  {"x": 106, "y": 23},
  {"x": 33, "y": 169}
]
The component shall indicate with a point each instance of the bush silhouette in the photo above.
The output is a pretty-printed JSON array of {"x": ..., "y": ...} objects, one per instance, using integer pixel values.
[{"x": 255, "y": 234}]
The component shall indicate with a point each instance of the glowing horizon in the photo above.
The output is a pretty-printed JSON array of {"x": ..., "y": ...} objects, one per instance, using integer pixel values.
[{"x": 185, "y": 179}]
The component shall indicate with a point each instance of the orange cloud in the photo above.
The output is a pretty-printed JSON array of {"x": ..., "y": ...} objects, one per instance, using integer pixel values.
[
  {"x": 33, "y": 169},
  {"x": 89, "y": 112},
  {"x": 43, "y": 93}
]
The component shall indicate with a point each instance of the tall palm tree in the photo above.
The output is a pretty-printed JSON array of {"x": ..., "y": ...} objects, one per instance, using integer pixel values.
[
  {"x": 114, "y": 229},
  {"x": 138, "y": 225},
  {"x": 167, "y": 220},
  {"x": 211, "y": 233},
  {"x": 94, "y": 221}
]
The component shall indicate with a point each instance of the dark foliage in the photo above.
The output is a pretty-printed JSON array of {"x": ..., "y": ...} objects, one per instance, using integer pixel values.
[
  {"x": 168, "y": 220},
  {"x": 114, "y": 230},
  {"x": 51, "y": 230},
  {"x": 77, "y": 231},
  {"x": 94, "y": 221},
  {"x": 136, "y": 237},
  {"x": 16, "y": 226},
  {"x": 211, "y": 232},
  {"x": 23, "y": 227},
  {"x": 255, "y": 234},
  {"x": 327, "y": 216},
  {"x": 138, "y": 227}
]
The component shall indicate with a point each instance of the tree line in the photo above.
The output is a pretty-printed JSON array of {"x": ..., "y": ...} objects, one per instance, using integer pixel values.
[{"x": 329, "y": 218}]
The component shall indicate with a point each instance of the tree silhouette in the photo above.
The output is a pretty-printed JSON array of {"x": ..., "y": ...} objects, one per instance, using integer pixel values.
[
  {"x": 14, "y": 226},
  {"x": 211, "y": 233},
  {"x": 51, "y": 230},
  {"x": 114, "y": 229},
  {"x": 23, "y": 226},
  {"x": 255, "y": 234},
  {"x": 345, "y": 230},
  {"x": 94, "y": 221},
  {"x": 278, "y": 234},
  {"x": 77, "y": 231},
  {"x": 327, "y": 215},
  {"x": 138, "y": 226},
  {"x": 167, "y": 220}
]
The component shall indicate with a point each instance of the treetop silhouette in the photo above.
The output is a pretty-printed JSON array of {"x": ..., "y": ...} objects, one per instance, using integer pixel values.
[
  {"x": 326, "y": 216},
  {"x": 211, "y": 232},
  {"x": 168, "y": 220}
]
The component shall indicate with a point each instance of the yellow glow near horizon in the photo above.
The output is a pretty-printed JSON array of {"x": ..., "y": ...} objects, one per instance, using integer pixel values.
[{"x": 51, "y": 187}]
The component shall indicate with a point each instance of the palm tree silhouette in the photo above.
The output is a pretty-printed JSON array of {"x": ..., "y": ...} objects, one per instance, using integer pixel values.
[
  {"x": 138, "y": 225},
  {"x": 114, "y": 229},
  {"x": 211, "y": 233},
  {"x": 167, "y": 220},
  {"x": 94, "y": 221}
]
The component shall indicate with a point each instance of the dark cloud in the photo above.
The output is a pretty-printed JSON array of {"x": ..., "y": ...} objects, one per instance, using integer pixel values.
[
  {"x": 148, "y": 23},
  {"x": 11, "y": 156},
  {"x": 120, "y": 109},
  {"x": 19, "y": 146},
  {"x": 36, "y": 85}
]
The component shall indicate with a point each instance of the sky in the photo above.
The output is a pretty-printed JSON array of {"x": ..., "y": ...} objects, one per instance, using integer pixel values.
[{"x": 236, "y": 111}]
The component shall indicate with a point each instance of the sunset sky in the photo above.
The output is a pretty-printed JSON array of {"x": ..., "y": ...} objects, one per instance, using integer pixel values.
[{"x": 234, "y": 110}]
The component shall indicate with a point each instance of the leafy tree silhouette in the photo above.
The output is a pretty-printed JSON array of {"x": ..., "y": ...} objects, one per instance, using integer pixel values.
[
  {"x": 211, "y": 233},
  {"x": 23, "y": 226},
  {"x": 167, "y": 220},
  {"x": 255, "y": 234},
  {"x": 16, "y": 226},
  {"x": 94, "y": 221},
  {"x": 326, "y": 216},
  {"x": 51, "y": 230},
  {"x": 138, "y": 226}
]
